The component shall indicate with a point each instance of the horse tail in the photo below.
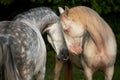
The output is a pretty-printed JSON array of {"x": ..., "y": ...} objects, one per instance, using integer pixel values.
[
  {"x": 68, "y": 70},
  {"x": 8, "y": 60},
  {"x": 1, "y": 57}
]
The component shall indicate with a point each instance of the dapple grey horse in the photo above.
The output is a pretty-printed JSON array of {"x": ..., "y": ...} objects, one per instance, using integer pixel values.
[{"x": 22, "y": 46}]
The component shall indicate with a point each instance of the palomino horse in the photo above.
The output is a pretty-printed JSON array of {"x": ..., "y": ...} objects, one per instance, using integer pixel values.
[
  {"x": 22, "y": 47},
  {"x": 90, "y": 40}
]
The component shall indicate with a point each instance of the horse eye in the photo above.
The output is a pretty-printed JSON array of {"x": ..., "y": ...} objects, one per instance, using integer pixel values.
[{"x": 65, "y": 30}]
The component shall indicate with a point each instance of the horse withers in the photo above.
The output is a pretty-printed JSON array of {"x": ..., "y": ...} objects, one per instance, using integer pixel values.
[
  {"x": 90, "y": 40},
  {"x": 22, "y": 46}
]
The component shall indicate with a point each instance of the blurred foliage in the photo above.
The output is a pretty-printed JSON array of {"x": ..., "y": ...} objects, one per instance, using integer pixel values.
[
  {"x": 101, "y": 6},
  {"x": 6, "y": 2}
]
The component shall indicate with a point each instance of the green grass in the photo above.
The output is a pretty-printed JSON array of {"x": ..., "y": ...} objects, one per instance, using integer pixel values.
[
  {"x": 78, "y": 74},
  {"x": 50, "y": 65}
]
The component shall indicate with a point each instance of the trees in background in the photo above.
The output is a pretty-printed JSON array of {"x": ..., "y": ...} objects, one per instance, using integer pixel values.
[{"x": 101, "y": 6}]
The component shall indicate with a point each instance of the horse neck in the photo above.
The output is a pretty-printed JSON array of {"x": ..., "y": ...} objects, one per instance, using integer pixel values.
[
  {"x": 39, "y": 17},
  {"x": 47, "y": 21},
  {"x": 40, "y": 22}
]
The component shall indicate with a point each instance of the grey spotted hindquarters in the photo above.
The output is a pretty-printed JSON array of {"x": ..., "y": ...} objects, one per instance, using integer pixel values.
[{"x": 19, "y": 50}]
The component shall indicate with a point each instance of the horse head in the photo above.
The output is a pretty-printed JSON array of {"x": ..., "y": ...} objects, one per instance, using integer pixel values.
[
  {"x": 56, "y": 39},
  {"x": 74, "y": 29}
]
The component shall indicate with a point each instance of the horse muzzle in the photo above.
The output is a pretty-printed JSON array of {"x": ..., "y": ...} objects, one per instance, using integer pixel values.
[{"x": 63, "y": 55}]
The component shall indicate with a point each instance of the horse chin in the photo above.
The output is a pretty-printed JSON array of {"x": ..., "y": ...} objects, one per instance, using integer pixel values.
[
  {"x": 62, "y": 59},
  {"x": 63, "y": 55}
]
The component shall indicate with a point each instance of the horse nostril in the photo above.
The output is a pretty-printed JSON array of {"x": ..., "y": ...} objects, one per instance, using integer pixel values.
[{"x": 63, "y": 55}]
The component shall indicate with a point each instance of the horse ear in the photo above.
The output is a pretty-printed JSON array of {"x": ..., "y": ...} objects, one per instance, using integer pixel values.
[
  {"x": 61, "y": 10},
  {"x": 66, "y": 10}
]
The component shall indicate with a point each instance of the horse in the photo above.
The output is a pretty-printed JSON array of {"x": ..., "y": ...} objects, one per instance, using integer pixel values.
[
  {"x": 90, "y": 41},
  {"x": 22, "y": 46}
]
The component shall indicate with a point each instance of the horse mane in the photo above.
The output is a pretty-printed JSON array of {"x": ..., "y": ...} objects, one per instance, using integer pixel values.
[{"x": 39, "y": 17}]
